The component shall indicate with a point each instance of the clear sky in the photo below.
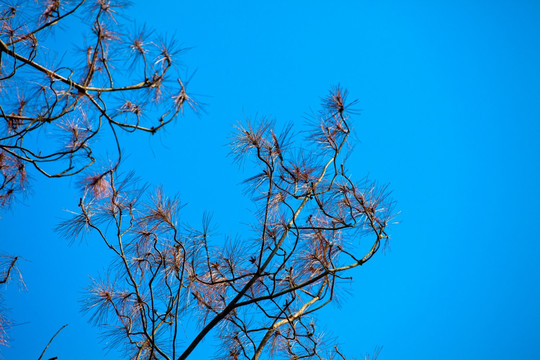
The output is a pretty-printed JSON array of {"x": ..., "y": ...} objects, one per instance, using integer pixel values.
[{"x": 449, "y": 95}]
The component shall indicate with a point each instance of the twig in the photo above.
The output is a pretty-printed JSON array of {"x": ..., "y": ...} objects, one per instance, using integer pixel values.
[{"x": 50, "y": 341}]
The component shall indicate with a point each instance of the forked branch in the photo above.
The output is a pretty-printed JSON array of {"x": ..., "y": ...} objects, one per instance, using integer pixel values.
[{"x": 257, "y": 295}]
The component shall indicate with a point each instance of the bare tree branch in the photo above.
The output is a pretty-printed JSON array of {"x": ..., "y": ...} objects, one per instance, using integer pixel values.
[{"x": 50, "y": 341}]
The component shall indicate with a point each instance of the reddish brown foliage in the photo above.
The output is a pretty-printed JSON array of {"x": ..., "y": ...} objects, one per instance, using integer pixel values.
[
  {"x": 257, "y": 295},
  {"x": 114, "y": 82}
]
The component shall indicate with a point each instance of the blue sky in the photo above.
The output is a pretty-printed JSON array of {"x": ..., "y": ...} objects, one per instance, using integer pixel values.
[{"x": 448, "y": 95}]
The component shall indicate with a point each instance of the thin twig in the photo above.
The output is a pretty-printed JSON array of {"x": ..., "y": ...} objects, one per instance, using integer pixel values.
[{"x": 50, "y": 341}]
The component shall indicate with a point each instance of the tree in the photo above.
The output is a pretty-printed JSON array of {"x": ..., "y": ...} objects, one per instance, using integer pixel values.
[
  {"x": 115, "y": 81},
  {"x": 258, "y": 293}
]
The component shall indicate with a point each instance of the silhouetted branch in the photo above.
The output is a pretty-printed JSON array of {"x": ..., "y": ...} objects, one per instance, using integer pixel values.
[{"x": 50, "y": 341}]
